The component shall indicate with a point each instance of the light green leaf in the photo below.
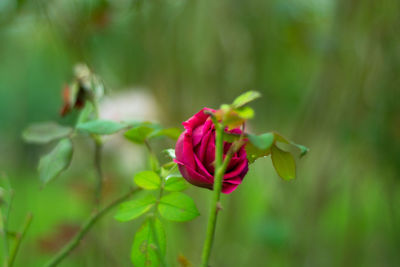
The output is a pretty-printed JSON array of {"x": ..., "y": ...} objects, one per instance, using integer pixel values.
[
  {"x": 284, "y": 163},
  {"x": 149, "y": 244},
  {"x": 139, "y": 134},
  {"x": 52, "y": 164},
  {"x": 45, "y": 132},
  {"x": 148, "y": 180},
  {"x": 245, "y": 112},
  {"x": 262, "y": 141},
  {"x": 172, "y": 133},
  {"x": 175, "y": 183},
  {"x": 177, "y": 207},
  {"x": 245, "y": 98},
  {"x": 134, "y": 208},
  {"x": 101, "y": 127}
]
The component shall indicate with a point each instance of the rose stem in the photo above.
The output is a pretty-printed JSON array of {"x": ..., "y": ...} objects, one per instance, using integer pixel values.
[
  {"x": 215, "y": 204},
  {"x": 71, "y": 245}
]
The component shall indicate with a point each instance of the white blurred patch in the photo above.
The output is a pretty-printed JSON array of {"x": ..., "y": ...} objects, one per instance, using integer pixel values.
[{"x": 133, "y": 104}]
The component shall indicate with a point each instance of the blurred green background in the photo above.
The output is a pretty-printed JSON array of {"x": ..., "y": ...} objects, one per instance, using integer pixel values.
[{"x": 329, "y": 73}]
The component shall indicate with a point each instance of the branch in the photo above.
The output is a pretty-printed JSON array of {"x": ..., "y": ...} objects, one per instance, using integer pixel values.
[
  {"x": 19, "y": 237},
  {"x": 69, "y": 247}
]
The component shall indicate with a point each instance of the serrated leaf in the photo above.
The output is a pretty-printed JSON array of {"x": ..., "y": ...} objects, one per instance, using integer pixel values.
[
  {"x": 101, "y": 127},
  {"x": 262, "y": 141},
  {"x": 134, "y": 208},
  {"x": 52, "y": 164},
  {"x": 177, "y": 207},
  {"x": 139, "y": 134},
  {"x": 149, "y": 244},
  {"x": 172, "y": 133},
  {"x": 245, "y": 98},
  {"x": 175, "y": 183},
  {"x": 45, "y": 132},
  {"x": 147, "y": 180},
  {"x": 284, "y": 163}
]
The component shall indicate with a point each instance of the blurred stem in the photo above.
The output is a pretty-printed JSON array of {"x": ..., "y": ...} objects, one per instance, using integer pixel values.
[
  {"x": 69, "y": 247},
  {"x": 97, "y": 165},
  {"x": 215, "y": 204},
  {"x": 19, "y": 237},
  {"x": 5, "y": 225}
]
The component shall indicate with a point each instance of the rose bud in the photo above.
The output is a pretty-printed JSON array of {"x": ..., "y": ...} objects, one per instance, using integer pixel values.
[
  {"x": 79, "y": 100},
  {"x": 195, "y": 154}
]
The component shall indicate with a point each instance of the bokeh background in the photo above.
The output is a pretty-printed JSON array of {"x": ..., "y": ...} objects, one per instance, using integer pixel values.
[{"x": 329, "y": 73}]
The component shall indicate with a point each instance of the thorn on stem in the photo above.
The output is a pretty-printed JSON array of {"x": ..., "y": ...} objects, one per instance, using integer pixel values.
[{"x": 219, "y": 206}]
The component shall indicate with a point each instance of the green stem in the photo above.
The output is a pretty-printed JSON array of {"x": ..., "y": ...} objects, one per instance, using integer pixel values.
[
  {"x": 215, "y": 204},
  {"x": 71, "y": 245},
  {"x": 19, "y": 237},
  {"x": 6, "y": 217},
  {"x": 97, "y": 165}
]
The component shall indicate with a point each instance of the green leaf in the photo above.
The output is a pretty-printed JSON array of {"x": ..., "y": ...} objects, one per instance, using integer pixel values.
[
  {"x": 148, "y": 180},
  {"x": 262, "y": 141},
  {"x": 245, "y": 112},
  {"x": 177, "y": 207},
  {"x": 284, "y": 163},
  {"x": 52, "y": 164},
  {"x": 45, "y": 132},
  {"x": 175, "y": 183},
  {"x": 254, "y": 153},
  {"x": 245, "y": 98},
  {"x": 149, "y": 244},
  {"x": 101, "y": 127},
  {"x": 139, "y": 134},
  {"x": 134, "y": 208},
  {"x": 172, "y": 133},
  {"x": 280, "y": 138}
]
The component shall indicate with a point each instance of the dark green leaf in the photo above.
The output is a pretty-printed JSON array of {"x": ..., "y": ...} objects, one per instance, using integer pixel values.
[
  {"x": 284, "y": 163},
  {"x": 175, "y": 183},
  {"x": 254, "y": 153},
  {"x": 245, "y": 98},
  {"x": 52, "y": 164},
  {"x": 101, "y": 127},
  {"x": 149, "y": 244},
  {"x": 134, "y": 208},
  {"x": 148, "y": 180},
  {"x": 42, "y": 133},
  {"x": 177, "y": 207}
]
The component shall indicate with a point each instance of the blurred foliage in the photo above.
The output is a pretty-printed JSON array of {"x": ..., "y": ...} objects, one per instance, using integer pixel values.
[{"x": 328, "y": 72}]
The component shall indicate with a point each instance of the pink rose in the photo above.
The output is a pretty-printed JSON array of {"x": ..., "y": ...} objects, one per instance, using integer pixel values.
[{"x": 195, "y": 154}]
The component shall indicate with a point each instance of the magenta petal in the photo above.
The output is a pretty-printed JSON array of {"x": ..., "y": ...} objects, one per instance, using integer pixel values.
[
  {"x": 228, "y": 188},
  {"x": 198, "y": 119},
  {"x": 193, "y": 177}
]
